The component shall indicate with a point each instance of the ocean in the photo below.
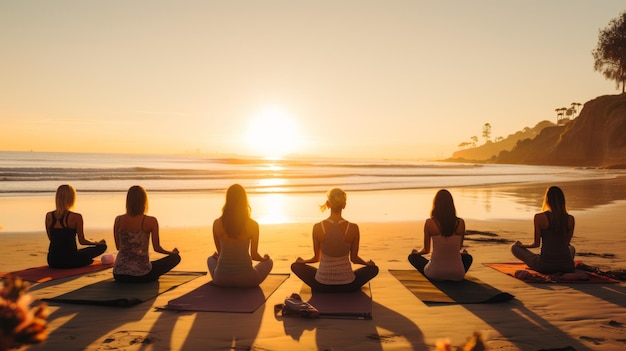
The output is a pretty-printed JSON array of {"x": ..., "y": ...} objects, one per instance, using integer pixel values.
[{"x": 188, "y": 190}]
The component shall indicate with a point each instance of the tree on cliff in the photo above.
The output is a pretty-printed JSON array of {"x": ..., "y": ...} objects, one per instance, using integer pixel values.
[
  {"x": 610, "y": 54},
  {"x": 487, "y": 132}
]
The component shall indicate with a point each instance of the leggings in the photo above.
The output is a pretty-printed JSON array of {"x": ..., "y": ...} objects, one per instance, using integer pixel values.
[
  {"x": 307, "y": 274},
  {"x": 419, "y": 261},
  {"x": 159, "y": 267},
  {"x": 252, "y": 278},
  {"x": 80, "y": 258},
  {"x": 535, "y": 262}
]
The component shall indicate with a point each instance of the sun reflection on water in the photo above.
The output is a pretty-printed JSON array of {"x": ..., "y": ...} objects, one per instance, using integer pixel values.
[{"x": 271, "y": 209}]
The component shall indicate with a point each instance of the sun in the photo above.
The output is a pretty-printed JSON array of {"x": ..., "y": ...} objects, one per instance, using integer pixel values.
[{"x": 272, "y": 134}]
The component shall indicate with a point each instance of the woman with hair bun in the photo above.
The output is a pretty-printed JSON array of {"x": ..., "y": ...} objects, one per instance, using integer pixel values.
[{"x": 335, "y": 247}]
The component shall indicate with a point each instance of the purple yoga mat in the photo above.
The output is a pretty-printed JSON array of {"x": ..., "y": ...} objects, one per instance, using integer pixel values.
[{"x": 212, "y": 298}]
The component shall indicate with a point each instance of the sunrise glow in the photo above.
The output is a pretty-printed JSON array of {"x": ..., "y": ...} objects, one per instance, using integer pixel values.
[{"x": 272, "y": 134}]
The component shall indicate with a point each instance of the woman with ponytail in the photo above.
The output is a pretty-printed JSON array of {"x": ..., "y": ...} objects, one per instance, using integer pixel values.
[{"x": 336, "y": 248}]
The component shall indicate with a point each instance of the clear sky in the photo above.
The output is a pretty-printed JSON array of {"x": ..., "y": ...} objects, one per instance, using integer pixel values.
[{"x": 395, "y": 79}]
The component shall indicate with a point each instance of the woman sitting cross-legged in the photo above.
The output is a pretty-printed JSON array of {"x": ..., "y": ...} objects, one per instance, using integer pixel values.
[
  {"x": 335, "y": 246},
  {"x": 236, "y": 237},
  {"x": 554, "y": 229},
  {"x": 132, "y": 232},
  {"x": 64, "y": 227},
  {"x": 448, "y": 260}
]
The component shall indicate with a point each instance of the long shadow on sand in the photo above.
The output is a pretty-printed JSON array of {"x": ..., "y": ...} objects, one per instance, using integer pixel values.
[
  {"x": 513, "y": 317},
  {"x": 99, "y": 320},
  {"x": 215, "y": 330},
  {"x": 330, "y": 333}
]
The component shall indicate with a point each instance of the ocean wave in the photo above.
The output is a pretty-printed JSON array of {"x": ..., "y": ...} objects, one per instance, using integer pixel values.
[{"x": 32, "y": 173}]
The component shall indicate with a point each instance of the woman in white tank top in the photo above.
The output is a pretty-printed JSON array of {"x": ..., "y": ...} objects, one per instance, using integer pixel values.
[{"x": 335, "y": 247}]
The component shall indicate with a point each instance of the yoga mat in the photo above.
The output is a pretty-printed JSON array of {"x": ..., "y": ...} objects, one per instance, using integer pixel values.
[
  {"x": 44, "y": 273},
  {"x": 509, "y": 268},
  {"x": 470, "y": 290},
  {"x": 352, "y": 305},
  {"x": 212, "y": 298},
  {"x": 111, "y": 293}
]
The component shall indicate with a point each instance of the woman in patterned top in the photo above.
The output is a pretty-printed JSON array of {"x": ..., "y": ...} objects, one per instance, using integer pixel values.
[
  {"x": 132, "y": 232},
  {"x": 335, "y": 247},
  {"x": 63, "y": 227}
]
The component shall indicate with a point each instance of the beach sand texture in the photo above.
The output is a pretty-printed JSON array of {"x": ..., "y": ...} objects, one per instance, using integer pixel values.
[{"x": 541, "y": 317}]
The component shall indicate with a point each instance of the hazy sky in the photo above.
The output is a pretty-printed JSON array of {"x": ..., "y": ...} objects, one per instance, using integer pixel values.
[{"x": 396, "y": 79}]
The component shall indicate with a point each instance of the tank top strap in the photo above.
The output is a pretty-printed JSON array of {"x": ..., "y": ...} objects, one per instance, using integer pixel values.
[
  {"x": 65, "y": 220},
  {"x": 347, "y": 227},
  {"x": 142, "y": 220},
  {"x": 335, "y": 224},
  {"x": 54, "y": 219}
]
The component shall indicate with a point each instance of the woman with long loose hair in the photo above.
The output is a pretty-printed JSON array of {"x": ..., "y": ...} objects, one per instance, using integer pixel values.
[
  {"x": 554, "y": 229},
  {"x": 335, "y": 247},
  {"x": 446, "y": 231},
  {"x": 132, "y": 232},
  {"x": 236, "y": 238},
  {"x": 63, "y": 227}
]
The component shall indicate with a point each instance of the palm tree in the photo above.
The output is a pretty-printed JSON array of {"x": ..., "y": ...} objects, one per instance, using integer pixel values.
[
  {"x": 574, "y": 108},
  {"x": 487, "y": 132},
  {"x": 559, "y": 114},
  {"x": 474, "y": 141}
]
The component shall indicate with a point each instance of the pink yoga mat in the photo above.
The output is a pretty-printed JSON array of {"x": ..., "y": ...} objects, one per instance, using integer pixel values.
[
  {"x": 509, "y": 268},
  {"x": 44, "y": 273}
]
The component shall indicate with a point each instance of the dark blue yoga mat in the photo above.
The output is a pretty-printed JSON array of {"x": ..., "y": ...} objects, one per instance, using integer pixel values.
[{"x": 111, "y": 293}]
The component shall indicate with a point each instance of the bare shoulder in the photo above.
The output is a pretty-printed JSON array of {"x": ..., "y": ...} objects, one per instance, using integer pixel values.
[
  {"x": 353, "y": 226},
  {"x": 74, "y": 217},
  {"x": 431, "y": 226},
  {"x": 570, "y": 219},
  {"x": 318, "y": 231},
  {"x": 461, "y": 225},
  {"x": 353, "y": 231},
  {"x": 217, "y": 222},
  {"x": 541, "y": 219},
  {"x": 252, "y": 223},
  {"x": 151, "y": 220}
]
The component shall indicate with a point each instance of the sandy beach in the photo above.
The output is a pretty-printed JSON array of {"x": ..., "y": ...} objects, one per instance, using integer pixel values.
[{"x": 541, "y": 317}]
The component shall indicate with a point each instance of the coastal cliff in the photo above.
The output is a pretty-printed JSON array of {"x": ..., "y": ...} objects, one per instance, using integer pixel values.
[{"x": 596, "y": 138}]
